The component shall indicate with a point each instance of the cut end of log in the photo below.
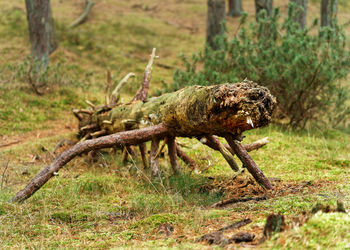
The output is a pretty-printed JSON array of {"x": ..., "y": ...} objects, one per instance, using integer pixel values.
[{"x": 243, "y": 106}]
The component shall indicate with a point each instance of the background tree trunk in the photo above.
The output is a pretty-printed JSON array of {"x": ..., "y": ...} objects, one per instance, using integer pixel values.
[
  {"x": 301, "y": 10},
  {"x": 328, "y": 12},
  {"x": 235, "y": 7},
  {"x": 216, "y": 15},
  {"x": 263, "y": 5},
  {"x": 53, "y": 36},
  {"x": 41, "y": 30}
]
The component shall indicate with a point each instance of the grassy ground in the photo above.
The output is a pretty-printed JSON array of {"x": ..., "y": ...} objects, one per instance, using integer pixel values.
[{"x": 105, "y": 204}]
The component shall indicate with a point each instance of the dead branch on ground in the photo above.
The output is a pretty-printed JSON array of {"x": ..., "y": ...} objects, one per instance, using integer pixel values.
[
  {"x": 82, "y": 18},
  {"x": 203, "y": 112}
]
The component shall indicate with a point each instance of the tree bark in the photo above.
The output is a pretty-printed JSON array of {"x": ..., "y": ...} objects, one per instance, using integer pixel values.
[
  {"x": 215, "y": 19},
  {"x": 300, "y": 12},
  {"x": 261, "y": 5},
  {"x": 249, "y": 147},
  {"x": 224, "y": 152},
  {"x": 41, "y": 30},
  {"x": 328, "y": 12},
  {"x": 248, "y": 162},
  {"x": 143, "y": 151},
  {"x": 184, "y": 157},
  {"x": 121, "y": 139},
  {"x": 191, "y": 111},
  {"x": 235, "y": 8},
  {"x": 173, "y": 155},
  {"x": 153, "y": 157}
]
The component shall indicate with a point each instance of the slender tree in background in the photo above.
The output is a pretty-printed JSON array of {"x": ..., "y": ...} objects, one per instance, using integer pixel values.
[
  {"x": 328, "y": 12},
  {"x": 41, "y": 30},
  {"x": 263, "y": 5},
  {"x": 234, "y": 7},
  {"x": 300, "y": 12},
  {"x": 216, "y": 16}
]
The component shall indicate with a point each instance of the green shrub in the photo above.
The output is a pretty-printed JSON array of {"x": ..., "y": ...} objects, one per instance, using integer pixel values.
[{"x": 300, "y": 68}]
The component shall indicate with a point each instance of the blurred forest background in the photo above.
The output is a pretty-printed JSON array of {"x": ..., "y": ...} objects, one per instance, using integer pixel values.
[{"x": 301, "y": 56}]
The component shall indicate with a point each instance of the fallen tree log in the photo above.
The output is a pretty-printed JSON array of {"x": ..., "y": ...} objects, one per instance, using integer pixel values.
[
  {"x": 224, "y": 110},
  {"x": 191, "y": 111},
  {"x": 196, "y": 111}
]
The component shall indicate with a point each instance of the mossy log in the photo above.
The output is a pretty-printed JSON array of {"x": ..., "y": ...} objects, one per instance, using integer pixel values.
[
  {"x": 196, "y": 111},
  {"x": 190, "y": 112},
  {"x": 202, "y": 112}
]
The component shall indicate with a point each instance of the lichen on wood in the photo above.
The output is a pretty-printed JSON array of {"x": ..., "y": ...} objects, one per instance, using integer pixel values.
[{"x": 192, "y": 111}]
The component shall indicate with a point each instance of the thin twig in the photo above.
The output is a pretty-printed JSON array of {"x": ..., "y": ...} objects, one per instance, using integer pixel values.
[
  {"x": 161, "y": 147},
  {"x": 108, "y": 87},
  {"x": 3, "y": 174},
  {"x": 143, "y": 92},
  {"x": 115, "y": 93},
  {"x": 82, "y": 18},
  {"x": 236, "y": 200},
  {"x": 9, "y": 143}
]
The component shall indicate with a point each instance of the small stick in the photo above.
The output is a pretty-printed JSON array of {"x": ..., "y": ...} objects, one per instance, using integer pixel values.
[
  {"x": 185, "y": 157},
  {"x": 99, "y": 133},
  {"x": 90, "y": 104},
  {"x": 108, "y": 86},
  {"x": 107, "y": 122},
  {"x": 248, "y": 162},
  {"x": 143, "y": 92},
  {"x": 9, "y": 143},
  {"x": 249, "y": 147},
  {"x": 125, "y": 155},
  {"x": 142, "y": 95},
  {"x": 85, "y": 137},
  {"x": 172, "y": 154},
  {"x": 3, "y": 174},
  {"x": 236, "y": 225},
  {"x": 241, "y": 237},
  {"x": 84, "y": 15},
  {"x": 217, "y": 236},
  {"x": 91, "y": 126},
  {"x": 143, "y": 150},
  {"x": 133, "y": 137},
  {"x": 77, "y": 115},
  {"x": 224, "y": 152},
  {"x": 255, "y": 145},
  {"x": 153, "y": 159},
  {"x": 161, "y": 147},
  {"x": 85, "y": 111},
  {"x": 115, "y": 93},
  {"x": 236, "y": 200}
]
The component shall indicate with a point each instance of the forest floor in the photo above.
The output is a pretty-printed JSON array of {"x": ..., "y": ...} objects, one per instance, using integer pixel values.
[{"x": 106, "y": 204}]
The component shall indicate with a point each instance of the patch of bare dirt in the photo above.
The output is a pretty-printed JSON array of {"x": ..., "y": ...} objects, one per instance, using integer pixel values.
[
  {"x": 245, "y": 188},
  {"x": 7, "y": 142}
]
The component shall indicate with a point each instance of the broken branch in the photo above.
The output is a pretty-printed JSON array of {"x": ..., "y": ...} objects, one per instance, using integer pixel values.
[
  {"x": 185, "y": 157},
  {"x": 248, "y": 162},
  {"x": 115, "y": 96},
  {"x": 143, "y": 92},
  {"x": 121, "y": 139},
  {"x": 236, "y": 200},
  {"x": 172, "y": 154},
  {"x": 223, "y": 150},
  {"x": 82, "y": 18},
  {"x": 153, "y": 159}
]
